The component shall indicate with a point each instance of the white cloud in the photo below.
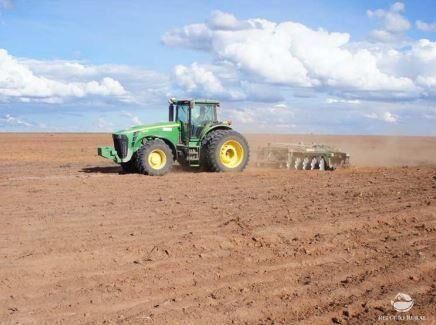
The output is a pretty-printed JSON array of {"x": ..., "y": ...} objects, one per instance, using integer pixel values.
[
  {"x": 136, "y": 120},
  {"x": 371, "y": 115},
  {"x": 384, "y": 36},
  {"x": 18, "y": 82},
  {"x": 205, "y": 80},
  {"x": 393, "y": 20},
  {"x": 387, "y": 117},
  {"x": 197, "y": 77},
  {"x": 143, "y": 86},
  {"x": 225, "y": 21},
  {"x": 197, "y": 34},
  {"x": 9, "y": 120},
  {"x": 59, "y": 81},
  {"x": 393, "y": 23},
  {"x": 342, "y": 101},
  {"x": 291, "y": 55},
  {"x": 417, "y": 63},
  {"x": 425, "y": 27},
  {"x": 133, "y": 118},
  {"x": 261, "y": 117},
  {"x": 222, "y": 81}
]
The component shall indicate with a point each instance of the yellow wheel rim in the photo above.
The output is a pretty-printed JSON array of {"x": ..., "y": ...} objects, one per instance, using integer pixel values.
[
  {"x": 157, "y": 159},
  {"x": 231, "y": 154}
]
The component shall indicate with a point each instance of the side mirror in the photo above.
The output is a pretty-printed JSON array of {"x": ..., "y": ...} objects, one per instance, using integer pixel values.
[{"x": 171, "y": 113}]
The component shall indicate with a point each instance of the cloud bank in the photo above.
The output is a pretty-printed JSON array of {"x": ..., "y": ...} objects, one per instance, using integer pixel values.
[
  {"x": 59, "y": 81},
  {"x": 294, "y": 56},
  {"x": 18, "y": 82}
]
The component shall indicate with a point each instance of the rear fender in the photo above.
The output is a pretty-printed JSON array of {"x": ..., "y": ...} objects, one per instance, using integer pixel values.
[{"x": 213, "y": 128}]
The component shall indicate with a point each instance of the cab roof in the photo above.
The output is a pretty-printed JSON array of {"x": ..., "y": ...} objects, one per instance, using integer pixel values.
[{"x": 197, "y": 100}]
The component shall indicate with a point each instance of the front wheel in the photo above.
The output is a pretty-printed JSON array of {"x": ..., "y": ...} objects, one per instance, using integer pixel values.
[
  {"x": 130, "y": 166},
  {"x": 154, "y": 158},
  {"x": 225, "y": 151}
]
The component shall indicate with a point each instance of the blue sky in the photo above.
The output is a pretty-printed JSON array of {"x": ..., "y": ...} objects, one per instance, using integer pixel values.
[{"x": 353, "y": 67}]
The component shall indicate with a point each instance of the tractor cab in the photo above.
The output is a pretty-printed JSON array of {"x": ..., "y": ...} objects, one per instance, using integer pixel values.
[{"x": 194, "y": 116}]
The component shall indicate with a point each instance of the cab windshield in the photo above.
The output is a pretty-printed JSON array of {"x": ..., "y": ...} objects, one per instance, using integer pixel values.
[{"x": 202, "y": 114}]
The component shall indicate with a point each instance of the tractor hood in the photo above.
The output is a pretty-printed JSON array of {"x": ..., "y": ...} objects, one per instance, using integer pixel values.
[
  {"x": 165, "y": 126},
  {"x": 128, "y": 141}
]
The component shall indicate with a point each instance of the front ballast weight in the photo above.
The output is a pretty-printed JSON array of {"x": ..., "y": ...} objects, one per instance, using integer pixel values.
[{"x": 301, "y": 157}]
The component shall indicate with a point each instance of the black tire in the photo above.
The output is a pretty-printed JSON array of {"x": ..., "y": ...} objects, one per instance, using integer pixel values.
[
  {"x": 204, "y": 159},
  {"x": 212, "y": 146},
  {"x": 143, "y": 162},
  {"x": 130, "y": 166},
  {"x": 205, "y": 143}
]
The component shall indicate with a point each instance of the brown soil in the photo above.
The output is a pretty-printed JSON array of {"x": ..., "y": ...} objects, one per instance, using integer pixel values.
[{"x": 81, "y": 242}]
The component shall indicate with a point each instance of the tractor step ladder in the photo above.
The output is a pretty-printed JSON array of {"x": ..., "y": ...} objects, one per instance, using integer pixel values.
[{"x": 194, "y": 156}]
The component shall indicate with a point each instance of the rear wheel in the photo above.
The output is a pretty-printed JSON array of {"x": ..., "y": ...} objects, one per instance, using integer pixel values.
[
  {"x": 154, "y": 158},
  {"x": 225, "y": 151}
]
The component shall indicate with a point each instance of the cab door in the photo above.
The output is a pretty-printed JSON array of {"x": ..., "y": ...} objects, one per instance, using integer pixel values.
[{"x": 182, "y": 116}]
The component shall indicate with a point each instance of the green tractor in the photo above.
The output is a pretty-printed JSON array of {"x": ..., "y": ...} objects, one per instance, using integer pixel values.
[{"x": 193, "y": 137}]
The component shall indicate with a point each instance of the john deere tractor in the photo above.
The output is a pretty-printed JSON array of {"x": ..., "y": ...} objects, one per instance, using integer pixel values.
[{"x": 193, "y": 137}]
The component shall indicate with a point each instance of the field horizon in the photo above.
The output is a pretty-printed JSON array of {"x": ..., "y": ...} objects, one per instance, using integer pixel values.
[{"x": 365, "y": 150}]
